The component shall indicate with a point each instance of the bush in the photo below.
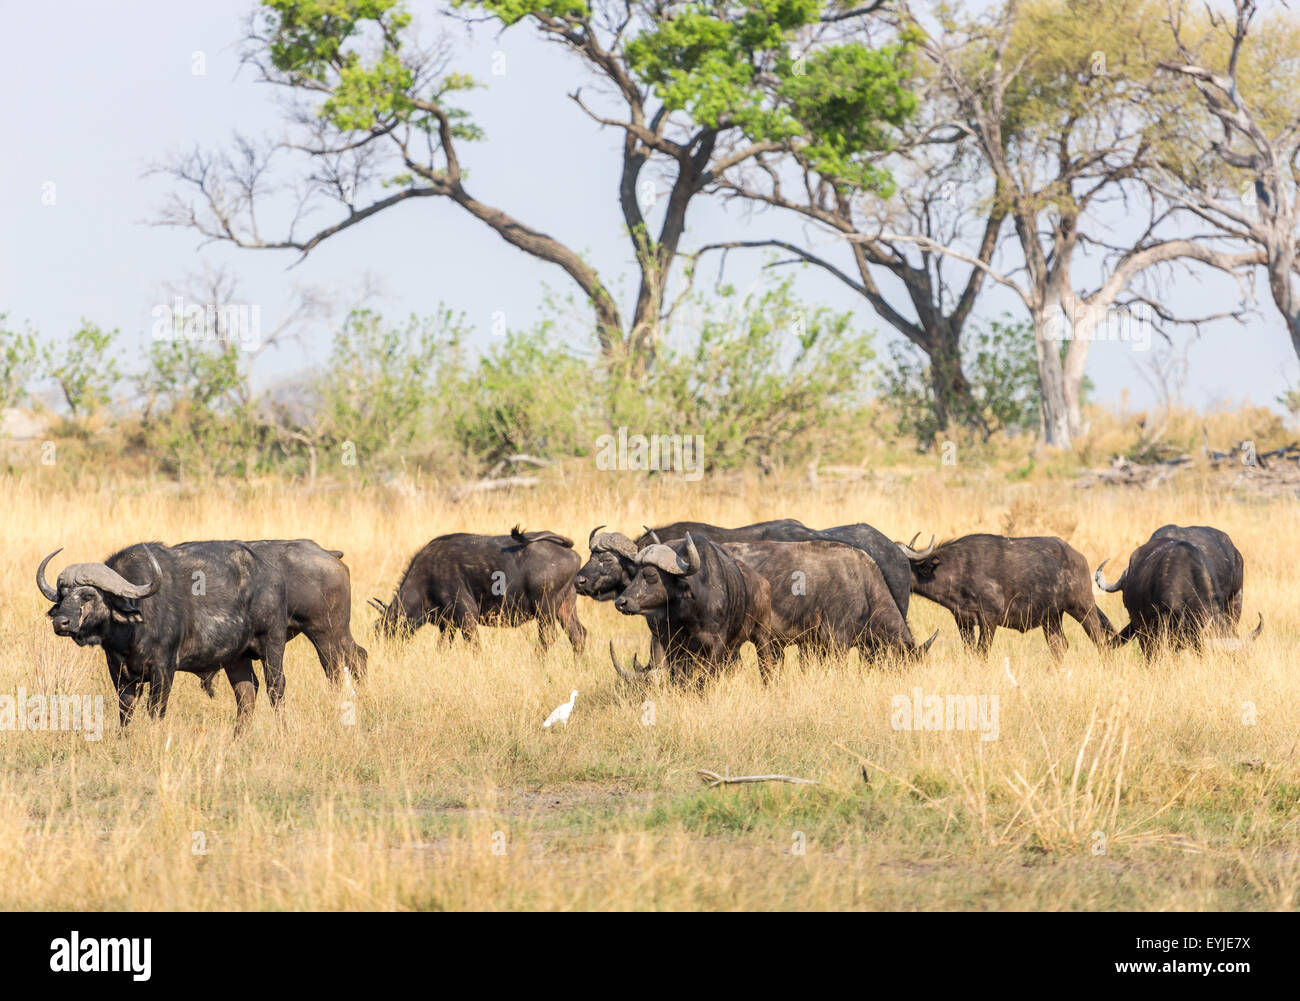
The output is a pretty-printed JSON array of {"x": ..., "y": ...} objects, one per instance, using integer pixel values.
[
  {"x": 380, "y": 390},
  {"x": 764, "y": 378},
  {"x": 1001, "y": 367}
]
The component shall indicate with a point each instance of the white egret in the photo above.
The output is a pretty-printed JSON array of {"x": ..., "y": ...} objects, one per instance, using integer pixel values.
[{"x": 561, "y": 713}]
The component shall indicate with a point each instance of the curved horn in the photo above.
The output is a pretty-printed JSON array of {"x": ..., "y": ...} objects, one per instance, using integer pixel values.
[
  {"x": 637, "y": 673},
  {"x": 376, "y": 604},
  {"x": 661, "y": 556},
  {"x": 926, "y": 645},
  {"x": 654, "y": 536},
  {"x": 916, "y": 554},
  {"x": 1233, "y": 643},
  {"x": 691, "y": 565},
  {"x": 50, "y": 593},
  {"x": 104, "y": 577},
  {"x": 1100, "y": 578},
  {"x": 592, "y": 537},
  {"x": 614, "y": 542}
]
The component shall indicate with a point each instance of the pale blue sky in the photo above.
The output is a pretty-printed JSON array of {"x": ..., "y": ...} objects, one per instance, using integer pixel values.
[{"x": 95, "y": 92}]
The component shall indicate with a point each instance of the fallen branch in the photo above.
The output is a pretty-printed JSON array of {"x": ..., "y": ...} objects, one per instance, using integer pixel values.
[
  {"x": 713, "y": 779},
  {"x": 515, "y": 460},
  {"x": 504, "y": 483}
]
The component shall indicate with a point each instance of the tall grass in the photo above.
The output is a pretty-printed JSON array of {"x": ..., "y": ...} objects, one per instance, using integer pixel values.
[{"x": 447, "y": 792}]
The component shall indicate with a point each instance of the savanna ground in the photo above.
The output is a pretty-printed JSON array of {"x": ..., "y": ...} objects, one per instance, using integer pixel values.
[{"x": 447, "y": 792}]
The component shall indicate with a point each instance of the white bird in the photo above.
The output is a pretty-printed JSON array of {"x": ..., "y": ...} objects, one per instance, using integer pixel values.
[{"x": 561, "y": 713}]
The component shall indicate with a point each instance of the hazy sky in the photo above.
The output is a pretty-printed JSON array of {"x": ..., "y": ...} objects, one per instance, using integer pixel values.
[{"x": 95, "y": 92}]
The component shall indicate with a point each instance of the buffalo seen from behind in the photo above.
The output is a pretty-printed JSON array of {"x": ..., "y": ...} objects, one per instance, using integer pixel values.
[
  {"x": 458, "y": 581},
  {"x": 155, "y": 609},
  {"x": 988, "y": 581},
  {"x": 1181, "y": 587},
  {"x": 318, "y": 604}
]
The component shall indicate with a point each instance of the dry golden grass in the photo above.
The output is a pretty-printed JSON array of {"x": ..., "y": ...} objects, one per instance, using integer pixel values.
[{"x": 447, "y": 792}]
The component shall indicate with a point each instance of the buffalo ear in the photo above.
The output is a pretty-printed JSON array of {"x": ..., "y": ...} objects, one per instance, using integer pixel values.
[
  {"x": 124, "y": 609},
  {"x": 925, "y": 568}
]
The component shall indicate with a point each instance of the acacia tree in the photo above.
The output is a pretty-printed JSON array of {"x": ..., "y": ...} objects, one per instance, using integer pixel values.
[
  {"x": 376, "y": 126},
  {"x": 917, "y": 176},
  {"x": 1062, "y": 101},
  {"x": 1248, "y": 186}
]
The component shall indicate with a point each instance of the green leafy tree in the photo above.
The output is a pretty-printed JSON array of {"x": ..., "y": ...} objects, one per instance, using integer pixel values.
[
  {"x": 763, "y": 377},
  {"x": 85, "y": 368},
  {"x": 677, "y": 85},
  {"x": 380, "y": 387},
  {"x": 528, "y": 395},
  {"x": 20, "y": 362}
]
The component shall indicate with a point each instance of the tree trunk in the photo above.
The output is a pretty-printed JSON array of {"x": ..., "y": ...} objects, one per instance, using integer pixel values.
[
  {"x": 953, "y": 402},
  {"x": 1055, "y": 426},
  {"x": 1080, "y": 328}
]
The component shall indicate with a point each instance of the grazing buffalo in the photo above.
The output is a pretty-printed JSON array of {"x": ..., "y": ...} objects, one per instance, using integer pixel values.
[
  {"x": 319, "y": 594},
  {"x": 828, "y": 597},
  {"x": 460, "y": 580},
  {"x": 156, "y": 610},
  {"x": 715, "y": 604},
  {"x": 1221, "y": 556},
  {"x": 1180, "y": 585},
  {"x": 990, "y": 581},
  {"x": 892, "y": 562}
]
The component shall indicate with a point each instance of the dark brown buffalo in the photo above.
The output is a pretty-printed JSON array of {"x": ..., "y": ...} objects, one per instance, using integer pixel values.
[
  {"x": 1221, "y": 556},
  {"x": 714, "y": 602},
  {"x": 988, "y": 581},
  {"x": 829, "y": 597},
  {"x": 1181, "y": 588},
  {"x": 458, "y": 581},
  {"x": 887, "y": 554},
  {"x": 319, "y": 595},
  {"x": 159, "y": 609}
]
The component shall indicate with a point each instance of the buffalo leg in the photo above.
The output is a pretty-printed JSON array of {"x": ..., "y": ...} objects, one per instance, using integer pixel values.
[
  {"x": 273, "y": 665},
  {"x": 1097, "y": 626},
  {"x": 160, "y": 688},
  {"x": 337, "y": 652},
  {"x": 356, "y": 658},
  {"x": 966, "y": 628},
  {"x": 987, "y": 629},
  {"x": 330, "y": 657},
  {"x": 244, "y": 683},
  {"x": 1234, "y": 609},
  {"x": 572, "y": 627},
  {"x": 127, "y": 688},
  {"x": 464, "y": 616},
  {"x": 546, "y": 626},
  {"x": 1056, "y": 641}
]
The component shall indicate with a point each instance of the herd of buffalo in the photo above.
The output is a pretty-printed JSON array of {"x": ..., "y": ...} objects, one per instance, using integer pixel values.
[{"x": 704, "y": 591}]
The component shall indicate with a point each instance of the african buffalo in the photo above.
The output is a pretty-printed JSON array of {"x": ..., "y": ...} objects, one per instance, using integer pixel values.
[
  {"x": 828, "y": 597},
  {"x": 460, "y": 580},
  {"x": 319, "y": 595},
  {"x": 892, "y": 562},
  {"x": 1221, "y": 556},
  {"x": 715, "y": 604},
  {"x": 1180, "y": 585},
  {"x": 156, "y": 610},
  {"x": 1021, "y": 583}
]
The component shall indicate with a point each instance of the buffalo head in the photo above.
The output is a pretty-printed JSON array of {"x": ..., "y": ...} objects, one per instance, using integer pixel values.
[
  {"x": 90, "y": 598},
  {"x": 610, "y": 568},
  {"x": 662, "y": 572}
]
